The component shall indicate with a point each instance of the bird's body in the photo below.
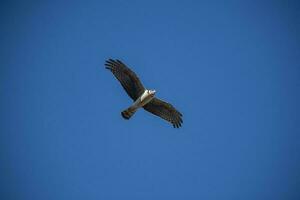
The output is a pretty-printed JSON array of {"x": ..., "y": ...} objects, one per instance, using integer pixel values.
[
  {"x": 145, "y": 98},
  {"x": 141, "y": 96}
]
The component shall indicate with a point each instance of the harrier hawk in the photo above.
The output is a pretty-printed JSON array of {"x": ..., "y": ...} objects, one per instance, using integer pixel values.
[{"x": 142, "y": 97}]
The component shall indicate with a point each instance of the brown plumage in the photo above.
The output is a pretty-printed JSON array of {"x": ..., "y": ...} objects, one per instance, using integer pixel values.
[
  {"x": 128, "y": 79},
  {"x": 164, "y": 110},
  {"x": 135, "y": 89}
]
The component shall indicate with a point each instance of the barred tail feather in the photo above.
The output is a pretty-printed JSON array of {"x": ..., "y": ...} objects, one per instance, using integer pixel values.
[{"x": 126, "y": 114}]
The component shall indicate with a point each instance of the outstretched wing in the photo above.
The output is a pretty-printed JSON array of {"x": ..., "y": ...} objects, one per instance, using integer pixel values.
[
  {"x": 165, "y": 111},
  {"x": 128, "y": 79}
]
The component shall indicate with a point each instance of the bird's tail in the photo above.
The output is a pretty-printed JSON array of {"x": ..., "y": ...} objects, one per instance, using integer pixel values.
[{"x": 126, "y": 114}]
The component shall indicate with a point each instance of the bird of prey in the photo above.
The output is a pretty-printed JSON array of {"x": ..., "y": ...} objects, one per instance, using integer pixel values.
[{"x": 143, "y": 98}]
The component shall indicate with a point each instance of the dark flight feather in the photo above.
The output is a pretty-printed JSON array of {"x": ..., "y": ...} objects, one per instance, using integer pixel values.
[
  {"x": 164, "y": 110},
  {"x": 128, "y": 79}
]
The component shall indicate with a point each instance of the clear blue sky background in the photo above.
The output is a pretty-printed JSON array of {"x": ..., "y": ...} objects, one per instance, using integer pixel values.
[{"x": 232, "y": 68}]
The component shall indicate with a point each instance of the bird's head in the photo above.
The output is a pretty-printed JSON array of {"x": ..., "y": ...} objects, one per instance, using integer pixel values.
[{"x": 151, "y": 92}]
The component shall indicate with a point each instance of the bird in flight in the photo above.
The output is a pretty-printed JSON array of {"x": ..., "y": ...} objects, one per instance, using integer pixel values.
[{"x": 143, "y": 98}]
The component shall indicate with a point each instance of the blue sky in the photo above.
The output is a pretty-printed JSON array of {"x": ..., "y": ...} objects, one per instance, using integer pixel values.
[{"x": 232, "y": 69}]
